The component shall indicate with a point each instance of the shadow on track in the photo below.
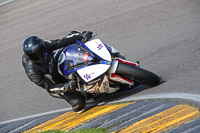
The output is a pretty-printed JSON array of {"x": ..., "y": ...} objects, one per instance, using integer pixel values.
[{"x": 124, "y": 92}]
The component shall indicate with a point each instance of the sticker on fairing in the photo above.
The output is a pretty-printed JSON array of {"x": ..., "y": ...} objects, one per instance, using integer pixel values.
[
  {"x": 88, "y": 76},
  {"x": 91, "y": 72},
  {"x": 97, "y": 47}
]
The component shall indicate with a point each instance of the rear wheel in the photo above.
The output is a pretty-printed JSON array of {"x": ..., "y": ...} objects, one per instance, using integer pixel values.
[{"x": 137, "y": 74}]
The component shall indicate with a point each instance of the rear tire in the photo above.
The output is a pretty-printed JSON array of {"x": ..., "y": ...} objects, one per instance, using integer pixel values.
[{"x": 138, "y": 74}]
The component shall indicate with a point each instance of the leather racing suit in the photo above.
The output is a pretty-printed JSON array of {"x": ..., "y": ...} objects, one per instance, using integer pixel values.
[{"x": 37, "y": 72}]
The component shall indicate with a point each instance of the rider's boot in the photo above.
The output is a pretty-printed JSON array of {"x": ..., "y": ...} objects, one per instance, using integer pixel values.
[{"x": 76, "y": 100}]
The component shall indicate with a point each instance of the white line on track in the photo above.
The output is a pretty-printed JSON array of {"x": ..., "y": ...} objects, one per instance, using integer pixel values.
[
  {"x": 185, "y": 96},
  {"x": 5, "y": 2},
  {"x": 37, "y": 115}
]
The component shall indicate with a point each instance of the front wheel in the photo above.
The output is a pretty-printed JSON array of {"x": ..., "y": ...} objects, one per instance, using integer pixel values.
[{"x": 137, "y": 74}]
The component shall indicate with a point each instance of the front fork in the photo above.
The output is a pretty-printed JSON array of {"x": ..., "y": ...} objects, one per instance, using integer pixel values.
[{"x": 112, "y": 72}]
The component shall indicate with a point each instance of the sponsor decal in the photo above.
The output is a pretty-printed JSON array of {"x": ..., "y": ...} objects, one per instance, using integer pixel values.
[
  {"x": 88, "y": 76},
  {"x": 99, "y": 46}
]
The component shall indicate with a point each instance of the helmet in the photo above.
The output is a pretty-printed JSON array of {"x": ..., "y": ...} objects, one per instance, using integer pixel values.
[{"x": 32, "y": 47}]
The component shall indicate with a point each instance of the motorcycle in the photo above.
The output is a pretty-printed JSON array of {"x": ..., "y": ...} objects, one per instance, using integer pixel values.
[{"x": 101, "y": 69}]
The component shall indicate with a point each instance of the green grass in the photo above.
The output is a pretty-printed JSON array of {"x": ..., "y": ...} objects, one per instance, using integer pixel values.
[{"x": 87, "y": 130}]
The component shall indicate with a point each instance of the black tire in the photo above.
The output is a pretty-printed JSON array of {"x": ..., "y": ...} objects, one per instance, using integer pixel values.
[{"x": 138, "y": 74}]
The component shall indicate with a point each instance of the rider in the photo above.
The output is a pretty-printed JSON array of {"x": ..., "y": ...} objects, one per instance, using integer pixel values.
[{"x": 41, "y": 67}]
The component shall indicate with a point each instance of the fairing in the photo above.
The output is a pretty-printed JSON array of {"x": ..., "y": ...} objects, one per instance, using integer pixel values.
[{"x": 75, "y": 59}]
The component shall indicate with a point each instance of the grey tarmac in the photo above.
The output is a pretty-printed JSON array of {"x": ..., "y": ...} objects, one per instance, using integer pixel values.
[{"x": 162, "y": 34}]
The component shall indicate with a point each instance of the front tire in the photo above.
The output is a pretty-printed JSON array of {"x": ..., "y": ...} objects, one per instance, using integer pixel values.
[{"x": 138, "y": 74}]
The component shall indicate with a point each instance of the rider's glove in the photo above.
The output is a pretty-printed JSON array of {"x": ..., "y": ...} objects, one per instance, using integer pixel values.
[
  {"x": 69, "y": 86},
  {"x": 86, "y": 35}
]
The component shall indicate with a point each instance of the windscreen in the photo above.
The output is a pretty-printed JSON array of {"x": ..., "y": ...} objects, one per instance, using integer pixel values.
[{"x": 71, "y": 58}]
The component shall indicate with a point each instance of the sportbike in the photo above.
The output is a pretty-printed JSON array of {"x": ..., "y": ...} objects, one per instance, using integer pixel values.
[{"x": 101, "y": 69}]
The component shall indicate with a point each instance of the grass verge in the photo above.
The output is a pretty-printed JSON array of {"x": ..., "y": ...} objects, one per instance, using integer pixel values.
[{"x": 86, "y": 130}]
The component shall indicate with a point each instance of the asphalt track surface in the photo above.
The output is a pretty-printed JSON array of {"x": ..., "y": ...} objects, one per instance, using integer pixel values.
[{"x": 163, "y": 34}]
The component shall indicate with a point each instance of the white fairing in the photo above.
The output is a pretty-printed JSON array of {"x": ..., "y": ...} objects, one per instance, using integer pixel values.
[
  {"x": 91, "y": 72},
  {"x": 99, "y": 48}
]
